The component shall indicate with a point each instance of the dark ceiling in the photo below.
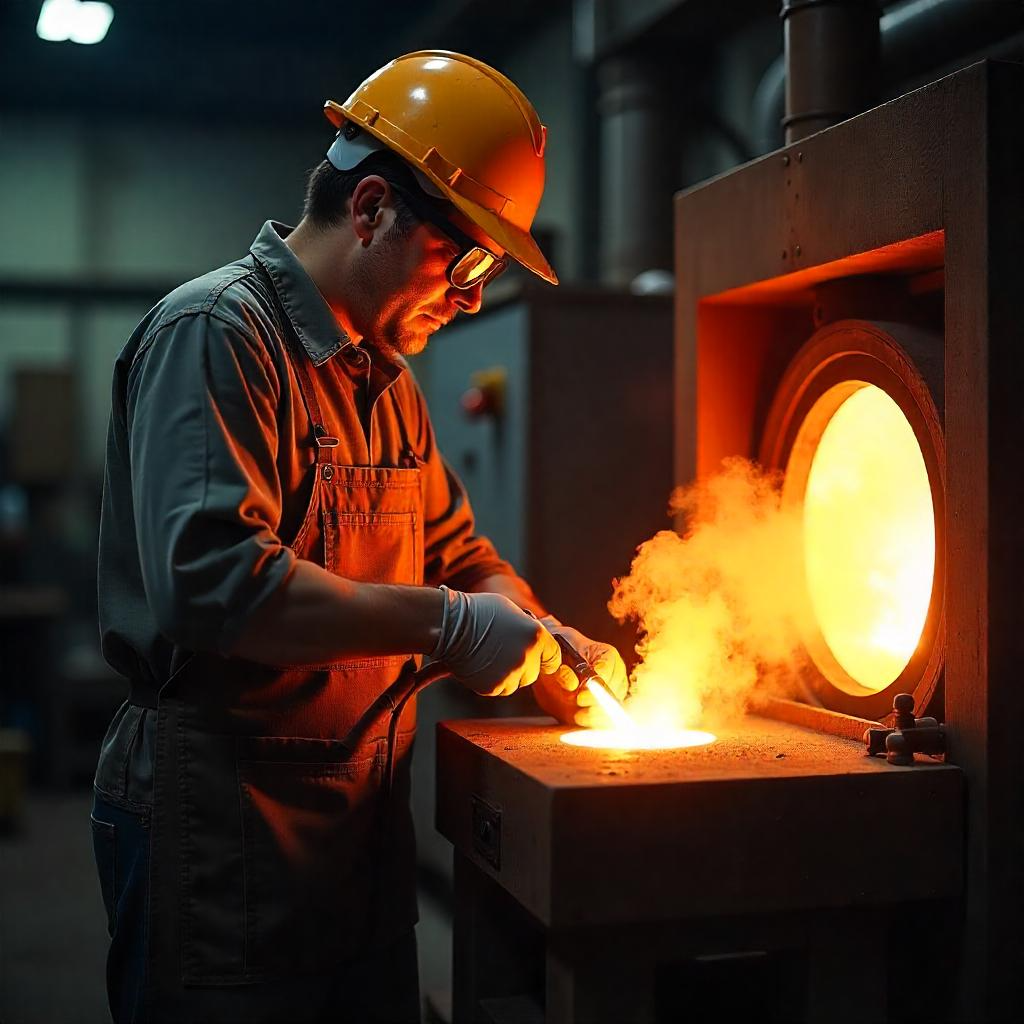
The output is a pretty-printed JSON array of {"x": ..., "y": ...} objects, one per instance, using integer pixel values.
[{"x": 210, "y": 60}]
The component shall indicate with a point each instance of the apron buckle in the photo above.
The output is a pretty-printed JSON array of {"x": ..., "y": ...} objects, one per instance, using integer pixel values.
[{"x": 323, "y": 439}]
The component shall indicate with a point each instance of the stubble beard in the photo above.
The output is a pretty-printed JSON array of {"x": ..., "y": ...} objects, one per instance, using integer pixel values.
[
  {"x": 393, "y": 335},
  {"x": 398, "y": 338}
]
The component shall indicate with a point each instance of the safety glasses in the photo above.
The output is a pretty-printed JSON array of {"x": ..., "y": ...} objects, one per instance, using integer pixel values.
[{"x": 474, "y": 265}]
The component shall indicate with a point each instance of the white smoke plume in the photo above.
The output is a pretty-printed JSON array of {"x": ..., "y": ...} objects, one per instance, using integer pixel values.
[{"x": 720, "y": 607}]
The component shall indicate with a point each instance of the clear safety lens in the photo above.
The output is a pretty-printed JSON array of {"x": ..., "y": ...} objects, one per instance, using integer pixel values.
[{"x": 477, "y": 266}]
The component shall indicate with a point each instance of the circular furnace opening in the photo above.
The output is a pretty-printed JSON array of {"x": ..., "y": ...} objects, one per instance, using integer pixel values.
[
  {"x": 868, "y": 533},
  {"x": 856, "y": 431}
]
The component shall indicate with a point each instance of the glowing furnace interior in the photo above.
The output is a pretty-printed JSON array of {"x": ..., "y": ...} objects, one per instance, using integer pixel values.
[{"x": 869, "y": 532}]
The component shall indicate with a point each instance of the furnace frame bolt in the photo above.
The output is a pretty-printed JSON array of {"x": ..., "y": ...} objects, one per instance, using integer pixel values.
[
  {"x": 903, "y": 705},
  {"x": 911, "y": 735}
]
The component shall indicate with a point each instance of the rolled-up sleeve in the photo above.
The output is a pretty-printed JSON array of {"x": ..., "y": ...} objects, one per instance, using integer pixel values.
[
  {"x": 202, "y": 427},
  {"x": 454, "y": 553}
]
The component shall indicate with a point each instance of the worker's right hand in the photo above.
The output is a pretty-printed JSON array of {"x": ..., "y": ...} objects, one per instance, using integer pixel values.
[{"x": 491, "y": 645}]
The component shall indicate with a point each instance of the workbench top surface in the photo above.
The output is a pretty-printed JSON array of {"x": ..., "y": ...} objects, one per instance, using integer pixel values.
[{"x": 748, "y": 748}]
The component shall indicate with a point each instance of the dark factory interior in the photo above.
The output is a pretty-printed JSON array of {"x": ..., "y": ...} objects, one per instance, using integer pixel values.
[{"x": 696, "y": 577}]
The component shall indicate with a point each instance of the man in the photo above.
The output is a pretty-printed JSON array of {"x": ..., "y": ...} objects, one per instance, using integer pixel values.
[{"x": 280, "y": 536}]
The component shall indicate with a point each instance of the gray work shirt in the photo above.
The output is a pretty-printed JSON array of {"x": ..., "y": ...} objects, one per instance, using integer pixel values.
[{"x": 208, "y": 467}]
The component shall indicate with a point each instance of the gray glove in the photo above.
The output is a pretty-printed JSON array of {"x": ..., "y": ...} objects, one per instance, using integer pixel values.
[{"x": 491, "y": 645}]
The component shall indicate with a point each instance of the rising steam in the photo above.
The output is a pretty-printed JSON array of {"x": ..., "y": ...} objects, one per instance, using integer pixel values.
[{"x": 721, "y": 607}]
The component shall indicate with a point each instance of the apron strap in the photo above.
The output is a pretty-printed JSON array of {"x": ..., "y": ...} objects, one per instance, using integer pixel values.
[{"x": 300, "y": 361}]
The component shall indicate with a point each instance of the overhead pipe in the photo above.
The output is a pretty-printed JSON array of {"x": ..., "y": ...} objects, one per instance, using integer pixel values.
[
  {"x": 914, "y": 36},
  {"x": 831, "y": 59},
  {"x": 637, "y": 146}
]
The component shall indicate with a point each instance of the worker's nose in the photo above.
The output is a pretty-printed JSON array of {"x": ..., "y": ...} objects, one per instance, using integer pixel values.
[{"x": 469, "y": 299}]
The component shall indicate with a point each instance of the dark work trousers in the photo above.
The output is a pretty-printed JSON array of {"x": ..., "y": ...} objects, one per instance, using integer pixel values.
[
  {"x": 380, "y": 987},
  {"x": 120, "y": 841}
]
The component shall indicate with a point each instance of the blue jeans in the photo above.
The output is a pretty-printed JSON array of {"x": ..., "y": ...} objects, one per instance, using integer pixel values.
[{"x": 121, "y": 844}]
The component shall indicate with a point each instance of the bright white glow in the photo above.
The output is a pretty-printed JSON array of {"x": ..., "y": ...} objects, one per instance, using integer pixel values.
[
  {"x": 435, "y": 64},
  {"x": 869, "y": 537},
  {"x": 419, "y": 93},
  {"x": 638, "y": 739},
  {"x": 80, "y": 21},
  {"x": 618, "y": 715}
]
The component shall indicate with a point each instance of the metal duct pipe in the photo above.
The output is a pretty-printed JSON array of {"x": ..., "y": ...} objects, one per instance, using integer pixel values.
[
  {"x": 915, "y": 36},
  {"x": 922, "y": 34},
  {"x": 637, "y": 146},
  {"x": 831, "y": 52}
]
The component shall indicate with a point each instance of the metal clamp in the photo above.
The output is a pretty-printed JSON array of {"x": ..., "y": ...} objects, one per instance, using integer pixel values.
[{"x": 909, "y": 736}]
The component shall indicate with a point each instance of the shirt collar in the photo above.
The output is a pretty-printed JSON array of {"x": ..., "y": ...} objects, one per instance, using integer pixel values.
[{"x": 310, "y": 316}]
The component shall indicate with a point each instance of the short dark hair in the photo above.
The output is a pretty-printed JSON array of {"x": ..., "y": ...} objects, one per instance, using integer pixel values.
[{"x": 329, "y": 190}]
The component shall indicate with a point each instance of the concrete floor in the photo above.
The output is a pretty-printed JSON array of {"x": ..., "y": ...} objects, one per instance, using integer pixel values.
[{"x": 53, "y": 937}]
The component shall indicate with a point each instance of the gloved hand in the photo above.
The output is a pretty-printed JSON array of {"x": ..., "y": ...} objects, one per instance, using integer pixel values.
[
  {"x": 560, "y": 694},
  {"x": 491, "y": 645}
]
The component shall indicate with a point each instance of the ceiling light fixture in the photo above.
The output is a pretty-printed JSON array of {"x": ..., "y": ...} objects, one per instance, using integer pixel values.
[{"x": 80, "y": 21}]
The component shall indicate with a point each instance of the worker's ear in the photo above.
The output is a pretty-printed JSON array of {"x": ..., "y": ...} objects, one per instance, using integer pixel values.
[{"x": 368, "y": 198}]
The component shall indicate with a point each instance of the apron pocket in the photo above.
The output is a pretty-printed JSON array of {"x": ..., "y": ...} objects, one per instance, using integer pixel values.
[
  {"x": 374, "y": 547},
  {"x": 310, "y": 841}
]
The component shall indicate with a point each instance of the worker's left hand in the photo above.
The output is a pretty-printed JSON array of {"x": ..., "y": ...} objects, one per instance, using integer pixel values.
[{"x": 560, "y": 693}]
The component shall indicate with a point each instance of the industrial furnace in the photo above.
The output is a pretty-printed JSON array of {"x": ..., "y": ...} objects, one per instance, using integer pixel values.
[
  {"x": 859, "y": 282},
  {"x": 883, "y": 253}
]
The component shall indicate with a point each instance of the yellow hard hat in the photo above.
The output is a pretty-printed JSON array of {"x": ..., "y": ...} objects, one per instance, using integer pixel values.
[{"x": 470, "y": 131}]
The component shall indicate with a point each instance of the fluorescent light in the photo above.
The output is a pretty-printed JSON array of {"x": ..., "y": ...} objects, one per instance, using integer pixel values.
[
  {"x": 93, "y": 21},
  {"x": 53, "y": 20},
  {"x": 81, "y": 21}
]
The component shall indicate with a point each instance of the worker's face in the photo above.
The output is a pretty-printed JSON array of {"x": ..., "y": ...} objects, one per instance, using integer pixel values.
[{"x": 407, "y": 275}]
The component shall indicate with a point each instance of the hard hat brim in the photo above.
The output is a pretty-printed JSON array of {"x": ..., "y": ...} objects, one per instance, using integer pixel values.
[{"x": 517, "y": 243}]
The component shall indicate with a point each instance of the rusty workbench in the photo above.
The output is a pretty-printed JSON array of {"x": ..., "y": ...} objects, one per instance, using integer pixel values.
[{"x": 608, "y": 864}]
